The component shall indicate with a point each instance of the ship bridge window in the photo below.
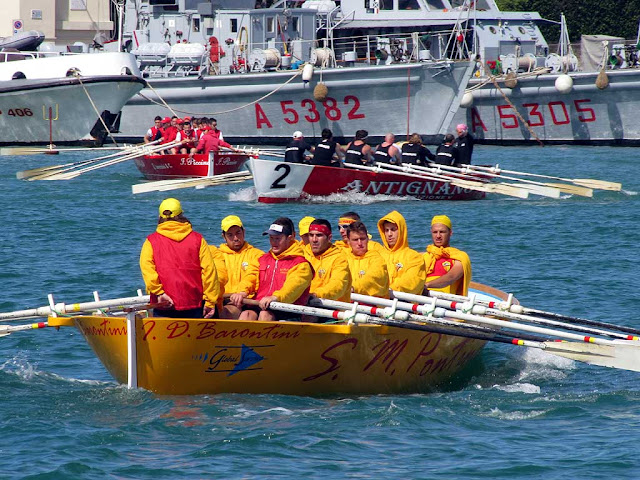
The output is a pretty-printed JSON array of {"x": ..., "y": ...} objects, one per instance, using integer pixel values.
[
  {"x": 478, "y": 4},
  {"x": 271, "y": 25},
  {"x": 195, "y": 26},
  {"x": 436, "y": 4},
  {"x": 234, "y": 25},
  {"x": 408, "y": 5},
  {"x": 386, "y": 4},
  {"x": 295, "y": 24}
]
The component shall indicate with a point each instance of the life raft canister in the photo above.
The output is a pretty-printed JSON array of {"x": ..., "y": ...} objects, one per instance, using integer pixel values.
[{"x": 215, "y": 50}]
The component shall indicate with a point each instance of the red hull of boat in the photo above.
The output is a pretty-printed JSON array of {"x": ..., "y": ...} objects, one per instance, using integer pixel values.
[{"x": 168, "y": 167}]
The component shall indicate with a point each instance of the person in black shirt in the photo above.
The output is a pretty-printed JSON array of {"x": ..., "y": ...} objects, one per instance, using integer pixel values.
[
  {"x": 358, "y": 152},
  {"x": 464, "y": 144},
  {"x": 415, "y": 153},
  {"x": 447, "y": 153},
  {"x": 387, "y": 152},
  {"x": 294, "y": 153},
  {"x": 328, "y": 151}
]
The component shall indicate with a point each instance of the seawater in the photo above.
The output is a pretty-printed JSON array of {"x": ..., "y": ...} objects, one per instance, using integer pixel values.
[{"x": 518, "y": 414}]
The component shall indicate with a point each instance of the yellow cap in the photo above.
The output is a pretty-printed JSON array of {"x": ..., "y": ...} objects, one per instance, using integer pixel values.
[
  {"x": 442, "y": 219},
  {"x": 172, "y": 206},
  {"x": 303, "y": 225},
  {"x": 230, "y": 221}
]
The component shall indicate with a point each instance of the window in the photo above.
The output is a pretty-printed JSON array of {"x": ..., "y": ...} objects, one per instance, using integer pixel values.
[
  {"x": 234, "y": 25},
  {"x": 436, "y": 4},
  {"x": 195, "y": 26},
  {"x": 271, "y": 25},
  {"x": 408, "y": 5},
  {"x": 295, "y": 24},
  {"x": 385, "y": 4}
]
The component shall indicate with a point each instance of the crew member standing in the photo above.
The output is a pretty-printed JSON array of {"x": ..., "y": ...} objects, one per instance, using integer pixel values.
[
  {"x": 294, "y": 153},
  {"x": 447, "y": 153},
  {"x": 464, "y": 144},
  {"x": 177, "y": 267},
  {"x": 405, "y": 265},
  {"x": 448, "y": 269},
  {"x": 210, "y": 142}
]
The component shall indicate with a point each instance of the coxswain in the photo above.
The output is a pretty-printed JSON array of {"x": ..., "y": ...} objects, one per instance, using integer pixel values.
[
  {"x": 448, "y": 269},
  {"x": 405, "y": 265},
  {"x": 358, "y": 152},
  {"x": 210, "y": 142},
  {"x": 177, "y": 267},
  {"x": 303, "y": 230},
  {"x": 369, "y": 274},
  {"x": 331, "y": 279},
  {"x": 328, "y": 151},
  {"x": 240, "y": 259},
  {"x": 464, "y": 144},
  {"x": 155, "y": 132},
  {"x": 344, "y": 221},
  {"x": 188, "y": 138},
  {"x": 284, "y": 275},
  {"x": 294, "y": 152},
  {"x": 387, "y": 152},
  {"x": 213, "y": 125},
  {"x": 414, "y": 152},
  {"x": 447, "y": 153}
]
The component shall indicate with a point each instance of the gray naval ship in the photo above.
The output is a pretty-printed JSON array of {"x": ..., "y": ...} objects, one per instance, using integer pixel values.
[{"x": 394, "y": 66}]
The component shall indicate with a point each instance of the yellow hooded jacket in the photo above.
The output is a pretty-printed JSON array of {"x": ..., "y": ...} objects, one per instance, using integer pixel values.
[
  {"x": 406, "y": 266},
  {"x": 238, "y": 265},
  {"x": 298, "y": 277},
  {"x": 369, "y": 274},
  {"x": 433, "y": 253},
  {"x": 332, "y": 278},
  {"x": 177, "y": 231},
  {"x": 373, "y": 245}
]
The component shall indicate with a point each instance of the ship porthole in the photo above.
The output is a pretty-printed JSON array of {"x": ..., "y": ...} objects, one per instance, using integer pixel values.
[{"x": 18, "y": 76}]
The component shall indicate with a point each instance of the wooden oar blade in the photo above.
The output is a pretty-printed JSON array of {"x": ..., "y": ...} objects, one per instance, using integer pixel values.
[
  {"x": 550, "y": 192},
  {"x": 598, "y": 184},
  {"x": 625, "y": 356},
  {"x": 511, "y": 191},
  {"x": 572, "y": 189}
]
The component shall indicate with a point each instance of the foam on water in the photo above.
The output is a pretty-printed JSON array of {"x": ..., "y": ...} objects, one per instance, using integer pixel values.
[{"x": 519, "y": 388}]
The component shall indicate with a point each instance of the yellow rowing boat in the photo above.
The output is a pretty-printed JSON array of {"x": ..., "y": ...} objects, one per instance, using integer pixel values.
[{"x": 198, "y": 356}]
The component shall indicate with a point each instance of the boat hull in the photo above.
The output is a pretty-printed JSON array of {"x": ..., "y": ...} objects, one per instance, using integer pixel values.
[
  {"x": 25, "y": 104},
  {"x": 167, "y": 167},
  {"x": 586, "y": 115},
  {"x": 399, "y": 98},
  {"x": 277, "y": 182}
]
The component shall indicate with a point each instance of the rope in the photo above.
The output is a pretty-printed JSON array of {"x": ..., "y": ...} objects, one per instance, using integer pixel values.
[
  {"x": 214, "y": 114},
  {"x": 526, "y": 124},
  {"x": 77, "y": 75}
]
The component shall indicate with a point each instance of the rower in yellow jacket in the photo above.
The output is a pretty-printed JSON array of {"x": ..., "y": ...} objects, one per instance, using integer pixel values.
[
  {"x": 332, "y": 278},
  {"x": 369, "y": 275},
  {"x": 448, "y": 268},
  {"x": 405, "y": 265}
]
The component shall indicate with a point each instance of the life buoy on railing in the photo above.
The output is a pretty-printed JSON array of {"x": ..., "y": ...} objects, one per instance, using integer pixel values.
[{"x": 215, "y": 50}]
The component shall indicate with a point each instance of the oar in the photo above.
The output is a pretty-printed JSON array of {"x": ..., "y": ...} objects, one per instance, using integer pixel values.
[
  {"x": 518, "y": 309},
  {"x": 464, "y": 183},
  {"x": 476, "y": 186},
  {"x": 547, "y": 189},
  {"x": 616, "y": 354},
  {"x": 471, "y": 307},
  {"x": 166, "y": 185},
  {"x": 8, "y": 329},
  {"x": 53, "y": 169},
  {"x": 77, "y": 172},
  {"x": 584, "y": 182},
  {"x": 63, "y": 309}
]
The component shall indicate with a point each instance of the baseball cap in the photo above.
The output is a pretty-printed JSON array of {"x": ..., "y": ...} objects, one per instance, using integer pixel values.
[
  {"x": 170, "y": 205},
  {"x": 280, "y": 226},
  {"x": 230, "y": 221},
  {"x": 166, "y": 120},
  {"x": 303, "y": 225},
  {"x": 297, "y": 134}
]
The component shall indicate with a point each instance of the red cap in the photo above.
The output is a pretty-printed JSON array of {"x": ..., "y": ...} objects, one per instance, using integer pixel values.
[
  {"x": 179, "y": 121},
  {"x": 166, "y": 120}
]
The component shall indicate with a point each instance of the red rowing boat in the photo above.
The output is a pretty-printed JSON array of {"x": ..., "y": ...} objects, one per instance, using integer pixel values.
[
  {"x": 168, "y": 167},
  {"x": 277, "y": 182}
]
